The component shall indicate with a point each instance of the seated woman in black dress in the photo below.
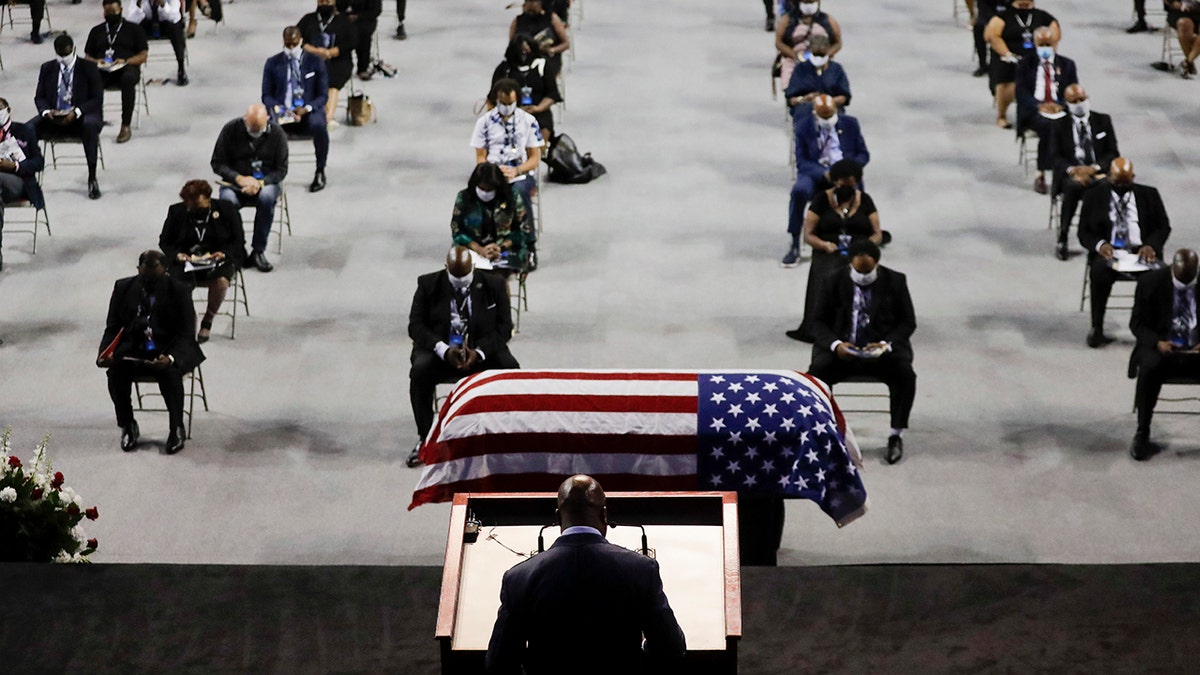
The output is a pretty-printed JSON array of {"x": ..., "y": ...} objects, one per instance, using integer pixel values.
[
  {"x": 549, "y": 33},
  {"x": 208, "y": 235},
  {"x": 835, "y": 218},
  {"x": 524, "y": 64},
  {"x": 492, "y": 219}
]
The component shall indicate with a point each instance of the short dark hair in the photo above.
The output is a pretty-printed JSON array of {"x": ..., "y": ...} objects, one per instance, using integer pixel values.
[
  {"x": 503, "y": 86},
  {"x": 63, "y": 44},
  {"x": 151, "y": 256},
  {"x": 197, "y": 187},
  {"x": 863, "y": 247},
  {"x": 110, "y": 2},
  {"x": 845, "y": 168}
]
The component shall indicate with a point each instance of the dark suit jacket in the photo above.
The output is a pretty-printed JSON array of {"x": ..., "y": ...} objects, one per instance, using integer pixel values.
[
  {"x": 1026, "y": 80},
  {"x": 275, "y": 83},
  {"x": 225, "y": 232},
  {"x": 808, "y": 149},
  {"x": 587, "y": 603},
  {"x": 87, "y": 91},
  {"x": 891, "y": 311},
  {"x": 805, "y": 80},
  {"x": 364, "y": 9},
  {"x": 1104, "y": 144},
  {"x": 33, "y": 163},
  {"x": 173, "y": 321},
  {"x": 1153, "y": 312},
  {"x": 490, "y": 326},
  {"x": 1095, "y": 225}
]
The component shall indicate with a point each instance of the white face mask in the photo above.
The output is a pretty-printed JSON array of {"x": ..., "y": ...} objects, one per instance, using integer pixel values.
[
  {"x": 506, "y": 109},
  {"x": 68, "y": 60},
  {"x": 861, "y": 279},
  {"x": 809, "y": 8},
  {"x": 827, "y": 123},
  {"x": 4, "y": 117},
  {"x": 818, "y": 61},
  {"x": 485, "y": 195},
  {"x": 1080, "y": 109},
  {"x": 294, "y": 52},
  {"x": 459, "y": 283},
  {"x": 255, "y": 134}
]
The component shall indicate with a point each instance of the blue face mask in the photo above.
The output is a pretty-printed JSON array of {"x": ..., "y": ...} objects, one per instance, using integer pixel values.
[{"x": 1045, "y": 53}]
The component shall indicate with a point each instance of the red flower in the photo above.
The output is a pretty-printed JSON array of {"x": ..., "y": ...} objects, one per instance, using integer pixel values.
[
  {"x": 14, "y": 462},
  {"x": 58, "y": 480},
  {"x": 73, "y": 509},
  {"x": 92, "y": 544},
  {"x": 36, "y": 494},
  {"x": 92, "y": 513}
]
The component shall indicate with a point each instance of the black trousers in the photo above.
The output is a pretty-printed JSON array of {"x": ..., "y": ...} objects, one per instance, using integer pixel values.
[
  {"x": 769, "y": 6},
  {"x": 120, "y": 386},
  {"x": 173, "y": 32},
  {"x": 366, "y": 34},
  {"x": 427, "y": 370},
  {"x": 893, "y": 369},
  {"x": 1044, "y": 128},
  {"x": 125, "y": 79},
  {"x": 1072, "y": 193},
  {"x": 760, "y": 529},
  {"x": 400, "y": 7},
  {"x": 820, "y": 268},
  {"x": 1139, "y": 8},
  {"x": 87, "y": 129},
  {"x": 1153, "y": 369},
  {"x": 1101, "y": 277},
  {"x": 37, "y": 10},
  {"x": 318, "y": 129}
]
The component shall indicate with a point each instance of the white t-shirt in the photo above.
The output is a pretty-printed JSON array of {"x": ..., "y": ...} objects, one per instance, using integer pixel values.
[
  {"x": 170, "y": 12},
  {"x": 507, "y": 141}
]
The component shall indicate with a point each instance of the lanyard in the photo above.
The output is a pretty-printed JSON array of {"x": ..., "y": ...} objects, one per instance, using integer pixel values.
[
  {"x": 202, "y": 230},
  {"x": 112, "y": 37}
]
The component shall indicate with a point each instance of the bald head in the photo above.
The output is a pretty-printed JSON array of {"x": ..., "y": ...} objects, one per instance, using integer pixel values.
[
  {"x": 291, "y": 37},
  {"x": 1121, "y": 171},
  {"x": 1183, "y": 267},
  {"x": 581, "y": 502},
  {"x": 1075, "y": 93},
  {"x": 256, "y": 118},
  {"x": 1043, "y": 37},
  {"x": 824, "y": 106},
  {"x": 458, "y": 261}
]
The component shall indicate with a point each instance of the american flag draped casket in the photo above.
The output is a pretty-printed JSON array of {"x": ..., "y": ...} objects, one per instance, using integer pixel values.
[{"x": 764, "y": 432}]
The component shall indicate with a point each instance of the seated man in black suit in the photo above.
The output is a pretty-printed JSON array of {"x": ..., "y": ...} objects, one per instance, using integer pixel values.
[
  {"x": 294, "y": 89},
  {"x": 207, "y": 236},
  {"x": 1118, "y": 215},
  {"x": 460, "y": 323},
  {"x": 1042, "y": 79},
  {"x": 1085, "y": 144},
  {"x": 159, "y": 19},
  {"x": 151, "y": 330},
  {"x": 585, "y": 602},
  {"x": 251, "y": 157},
  {"x": 70, "y": 103},
  {"x": 862, "y": 324},
  {"x": 119, "y": 49},
  {"x": 20, "y": 163},
  {"x": 1164, "y": 322}
]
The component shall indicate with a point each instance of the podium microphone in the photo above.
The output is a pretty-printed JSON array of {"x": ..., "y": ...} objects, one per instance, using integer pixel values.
[
  {"x": 541, "y": 540},
  {"x": 645, "y": 545}
]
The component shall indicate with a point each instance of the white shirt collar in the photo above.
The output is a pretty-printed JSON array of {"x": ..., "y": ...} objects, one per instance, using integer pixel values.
[
  {"x": 1179, "y": 285},
  {"x": 580, "y": 529}
]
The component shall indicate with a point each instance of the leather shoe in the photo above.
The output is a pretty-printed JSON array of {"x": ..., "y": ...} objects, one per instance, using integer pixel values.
[
  {"x": 414, "y": 457},
  {"x": 125, "y": 134},
  {"x": 260, "y": 262},
  {"x": 1039, "y": 185},
  {"x": 1138, "y": 27},
  {"x": 1096, "y": 338},
  {"x": 318, "y": 183},
  {"x": 93, "y": 189},
  {"x": 182, "y": 80},
  {"x": 799, "y": 335},
  {"x": 36, "y": 37},
  {"x": 175, "y": 440},
  {"x": 895, "y": 449},
  {"x": 1141, "y": 449},
  {"x": 1061, "y": 252},
  {"x": 770, "y": 25},
  {"x": 979, "y": 72},
  {"x": 130, "y": 436},
  {"x": 400, "y": 33}
]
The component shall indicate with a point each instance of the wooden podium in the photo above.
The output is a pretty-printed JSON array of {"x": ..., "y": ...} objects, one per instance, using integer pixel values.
[{"x": 693, "y": 535}]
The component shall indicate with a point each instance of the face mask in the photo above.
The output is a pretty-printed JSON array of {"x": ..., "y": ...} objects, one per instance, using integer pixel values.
[
  {"x": 485, "y": 195},
  {"x": 861, "y": 279},
  {"x": 827, "y": 123},
  {"x": 809, "y": 8},
  {"x": 4, "y": 117},
  {"x": 506, "y": 109},
  {"x": 1045, "y": 53},
  {"x": 67, "y": 60},
  {"x": 843, "y": 193},
  {"x": 255, "y": 134},
  {"x": 294, "y": 52},
  {"x": 325, "y": 11},
  {"x": 1080, "y": 109},
  {"x": 818, "y": 61},
  {"x": 112, "y": 19},
  {"x": 1122, "y": 188},
  {"x": 460, "y": 283},
  {"x": 198, "y": 213}
]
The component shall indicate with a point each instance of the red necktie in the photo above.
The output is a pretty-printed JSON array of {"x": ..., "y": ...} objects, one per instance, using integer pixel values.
[{"x": 1049, "y": 93}]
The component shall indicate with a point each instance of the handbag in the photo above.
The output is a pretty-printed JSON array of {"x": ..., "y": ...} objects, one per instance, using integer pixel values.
[{"x": 359, "y": 110}]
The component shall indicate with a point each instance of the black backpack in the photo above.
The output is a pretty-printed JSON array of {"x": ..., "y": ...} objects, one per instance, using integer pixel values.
[{"x": 568, "y": 166}]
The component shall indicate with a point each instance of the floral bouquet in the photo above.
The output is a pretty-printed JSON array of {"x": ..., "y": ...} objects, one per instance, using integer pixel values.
[{"x": 39, "y": 516}]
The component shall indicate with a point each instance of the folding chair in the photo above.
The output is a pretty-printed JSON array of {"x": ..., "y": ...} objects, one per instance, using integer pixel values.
[
  {"x": 190, "y": 380},
  {"x": 859, "y": 397},
  {"x": 14, "y": 213},
  {"x": 236, "y": 295}
]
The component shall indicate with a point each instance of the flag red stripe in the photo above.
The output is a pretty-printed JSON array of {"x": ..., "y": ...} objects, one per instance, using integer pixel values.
[
  {"x": 544, "y": 482},
  {"x": 581, "y": 443},
  {"x": 518, "y": 403}
]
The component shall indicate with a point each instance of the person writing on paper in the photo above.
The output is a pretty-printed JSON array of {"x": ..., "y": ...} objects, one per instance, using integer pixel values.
[
  {"x": 1168, "y": 343},
  {"x": 150, "y": 331},
  {"x": 460, "y": 323},
  {"x": 1041, "y": 84},
  {"x": 119, "y": 48},
  {"x": 251, "y": 157},
  {"x": 70, "y": 100},
  {"x": 1119, "y": 218},
  {"x": 1085, "y": 145},
  {"x": 492, "y": 219},
  {"x": 20, "y": 163},
  {"x": 862, "y": 324},
  {"x": 204, "y": 244},
  {"x": 585, "y": 605}
]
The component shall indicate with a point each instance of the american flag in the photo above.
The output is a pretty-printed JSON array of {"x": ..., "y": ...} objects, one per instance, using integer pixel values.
[{"x": 765, "y": 432}]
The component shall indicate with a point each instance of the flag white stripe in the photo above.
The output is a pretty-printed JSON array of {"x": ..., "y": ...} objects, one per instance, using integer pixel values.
[
  {"x": 470, "y": 468},
  {"x": 569, "y": 422}
]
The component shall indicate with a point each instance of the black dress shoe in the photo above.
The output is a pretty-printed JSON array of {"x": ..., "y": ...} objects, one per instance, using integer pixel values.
[
  {"x": 93, "y": 189},
  {"x": 799, "y": 335},
  {"x": 182, "y": 79},
  {"x": 175, "y": 440},
  {"x": 130, "y": 436},
  {"x": 1061, "y": 252},
  {"x": 1096, "y": 339},
  {"x": 1141, "y": 449},
  {"x": 895, "y": 449},
  {"x": 36, "y": 37},
  {"x": 979, "y": 72},
  {"x": 400, "y": 34},
  {"x": 770, "y": 25},
  {"x": 1138, "y": 27},
  {"x": 260, "y": 262},
  {"x": 318, "y": 183},
  {"x": 414, "y": 457},
  {"x": 1, "y": 262}
]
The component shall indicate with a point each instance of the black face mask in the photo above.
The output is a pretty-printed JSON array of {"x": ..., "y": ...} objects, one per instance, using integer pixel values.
[
  {"x": 198, "y": 213},
  {"x": 1122, "y": 188},
  {"x": 843, "y": 193},
  {"x": 113, "y": 20},
  {"x": 325, "y": 11}
]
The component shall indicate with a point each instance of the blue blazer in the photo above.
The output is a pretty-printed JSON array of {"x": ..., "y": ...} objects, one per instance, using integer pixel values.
[
  {"x": 87, "y": 91},
  {"x": 312, "y": 71},
  {"x": 808, "y": 151},
  {"x": 29, "y": 168},
  {"x": 805, "y": 80},
  {"x": 1026, "y": 81}
]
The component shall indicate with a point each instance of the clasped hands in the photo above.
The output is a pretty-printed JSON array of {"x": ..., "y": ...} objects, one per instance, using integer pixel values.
[
  {"x": 1146, "y": 254},
  {"x": 158, "y": 364},
  {"x": 463, "y": 358},
  {"x": 1084, "y": 174},
  {"x": 843, "y": 350},
  {"x": 216, "y": 255},
  {"x": 249, "y": 185}
]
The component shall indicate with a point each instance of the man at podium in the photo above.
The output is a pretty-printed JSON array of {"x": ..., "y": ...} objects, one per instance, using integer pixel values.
[{"x": 584, "y": 605}]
